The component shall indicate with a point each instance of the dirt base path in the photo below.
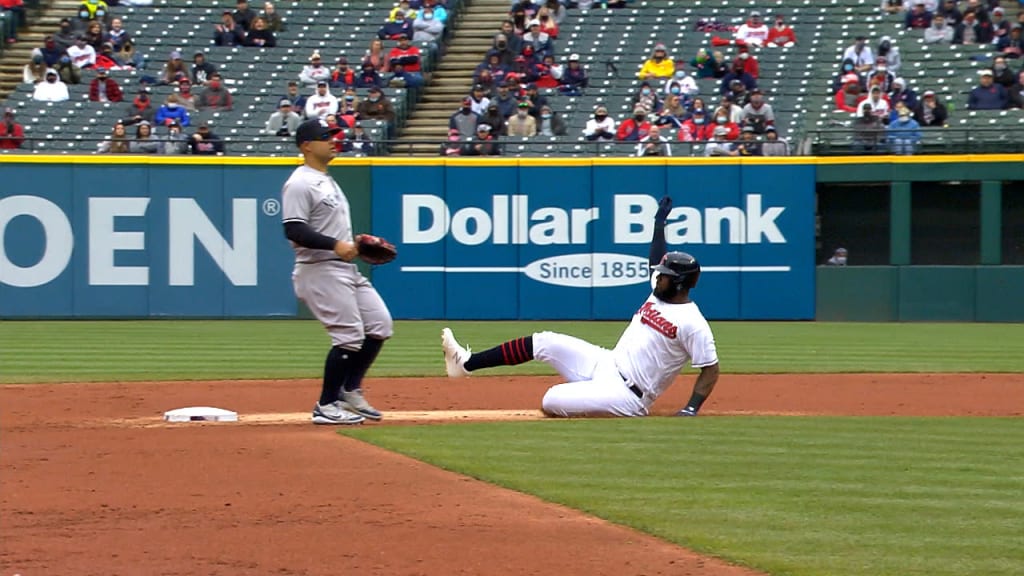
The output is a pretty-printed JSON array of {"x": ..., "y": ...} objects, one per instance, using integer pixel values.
[{"x": 83, "y": 493}]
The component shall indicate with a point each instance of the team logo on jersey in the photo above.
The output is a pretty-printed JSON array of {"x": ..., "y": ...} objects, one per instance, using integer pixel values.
[{"x": 654, "y": 319}]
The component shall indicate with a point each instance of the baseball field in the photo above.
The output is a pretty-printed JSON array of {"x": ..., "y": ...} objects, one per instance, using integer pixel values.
[{"x": 846, "y": 449}]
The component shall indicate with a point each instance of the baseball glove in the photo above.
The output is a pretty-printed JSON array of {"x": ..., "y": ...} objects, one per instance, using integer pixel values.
[{"x": 375, "y": 250}]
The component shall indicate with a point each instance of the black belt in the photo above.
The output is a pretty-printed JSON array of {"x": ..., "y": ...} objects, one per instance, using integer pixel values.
[{"x": 632, "y": 387}]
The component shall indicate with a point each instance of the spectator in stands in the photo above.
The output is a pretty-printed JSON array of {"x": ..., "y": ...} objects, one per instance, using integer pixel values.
[
  {"x": 550, "y": 123},
  {"x": 51, "y": 89},
  {"x": 725, "y": 128},
  {"x": 479, "y": 100},
  {"x": 117, "y": 35},
  {"x": 172, "y": 112},
  {"x": 738, "y": 93},
  {"x": 881, "y": 76},
  {"x": 298, "y": 100},
  {"x": 904, "y": 133},
  {"x": 733, "y": 108},
  {"x": 654, "y": 144},
  {"x": 215, "y": 96},
  {"x": 536, "y": 100},
  {"x": 376, "y": 107},
  {"x": 400, "y": 78},
  {"x": 51, "y": 51},
  {"x": 348, "y": 106},
  {"x": 369, "y": 77},
  {"x": 483, "y": 144},
  {"x": 464, "y": 119},
  {"x": 548, "y": 73},
  {"x": 205, "y": 143},
  {"x": 103, "y": 88},
  {"x": 94, "y": 35},
  {"x": 838, "y": 258},
  {"x": 314, "y": 72},
  {"x": 1016, "y": 92},
  {"x": 274, "y": 22},
  {"x": 758, "y": 114},
  {"x": 781, "y": 34},
  {"x": 902, "y": 93},
  {"x": 65, "y": 36},
  {"x": 673, "y": 114},
  {"x": 737, "y": 73},
  {"x": 408, "y": 55},
  {"x": 950, "y": 13},
  {"x": 426, "y": 27},
  {"x": 322, "y": 103},
  {"x": 243, "y": 15},
  {"x": 1001, "y": 73},
  {"x": 521, "y": 72},
  {"x": 92, "y": 10},
  {"x": 879, "y": 103},
  {"x": 929, "y": 111},
  {"x": 260, "y": 36},
  {"x": 538, "y": 39},
  {"x": 521, "y": 124},
  {"x": 747, "y": 62},
  {"x": 753, "y": 32},
  {"x": 971, "y": 32},
  {"x": 514, "y": 42},
  {"x": 1011, "y": 45},
  {"x": 867, "y": 131},
  {"x": 891, "y": 53},
  {"x": 201, "y": 69},
  {"x": 505, "y": 100},
  {"x": 174, "y": 143},
  {"x": 403, "y": 7},
  {"x": 503, "y": 48},
  {"x": 493, "y": 67},
  {"x": 917, "y": 18},
  {"x": 144, "y": 142},
  {"x": 636, "y": 128},
  {"x": 185, "y": 96},
  {"x": 342, "y": 76},
  {"x": 659, "y": 65},
  {"x": 696, "y": 128},
  {"x": 284, "y": 121},
  {"x": 452, "y": 146},
  {"x": 860, "y": 54},
  {"x": 14, "y": 11},
  {"x": 35, "y": 71},
  {"x": 939, "y": 32},
  {"x": 107, "y": 59},
  {"x": 556, "y": 10},
  {"x": 375, "y": 55},
  {"x": 1000, "y": 25},
  {"x": 82, "y": 54},
  {"x": 704, "y": 64},
  {"x": 520, "y": 18},
  {"x": 174, "y": 69},
  {"x": 493, "y": 117},
  {"x": 547, "y": 24},
  {"x": 846, "y": 71},
  {"x": 697, "y": 104},
  {"x": 647, "y": 97},
  {"x": 117, "y": 143},
  {"x": 681, "y": 84},
  {"x": 392, "y": 30},
  {"x": 69, "y": 73},
  {"x": 747, "y": 145},
  {"x": 228, "y": 32},
  {"x": 440, "y": 12},
  {"x": 11, "y": 133},
  {"x": 851, "y": 93},
  {"x": 357, "y": 140},
  {"x": 601, "y": 127},
  {"x": 987, "y": 95},
  {"x": 129, "y": 56},
  {"x": 141, "y": 109},
  {"x": 772, "y": 145}
]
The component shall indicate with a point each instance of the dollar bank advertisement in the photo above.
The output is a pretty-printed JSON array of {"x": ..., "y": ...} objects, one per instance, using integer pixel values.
[{"x": 571, "y": 242}]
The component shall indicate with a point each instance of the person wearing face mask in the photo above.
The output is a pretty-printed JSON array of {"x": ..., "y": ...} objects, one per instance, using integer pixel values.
[
  {"x": 860, "y": 54},
  {"x": 315, "y": 71},
  {"x": 838, "y": 258},
  {"x": 867, "y": 131},
  {"x": 453, "y": 145},
  {"x": 104, "y": 88},
  {"x": 172, "y": 111},
  {"x": 601, "y": 127},
  {"x": 65, "y": 36},
  {"x": 174, "y": 143},
  {"x": 521, "y": 124},
  {"x": 840, "y": 79},
  {"x": 696, "y": 128},
  {"x": 888, "y": 49},
  {"x": 635, "y": 128},
  {"x": 140, "y": 109},
  {"x": 848, "y": 97},
  {"x": 772, "y": 145},
  {"x": 550, "y": 123},
  {"x": 724, "y": 129},
  {"x": 376, "y": 107},
  {"x": 917, "y": 17},
  {"x": 673, "y": 113},
  {"x": 681, "y": 84},
  {"x": 938, "y": 32},
  {"x": 426, "y": 27},
  {"x": 369, "y": 77},
  {"x": 659, "y": 65},
  {"x": 464, "y": 119},
  {"x": 930, "y": 111},
  {"x": 781, "y": 34},
  {"x": 903, "y": 133},
  {"x": 758, "y": 114},
  {"x": 737, "y": 73},
  {"x": 342, "y": 76},
  {"x": 647, "y": 98},
  {"x": 903, "y": 93},
  {"x": 753, "y": 32},
  {"x": 1001, "y": 73},
  {"x": 1012, "y": 45},
  {"x": 51, "y": 89},
  {"x": 11, "y": 133},
  {"x": 215, "y": 96},
  {"x": 747, "y": 62},
  {"x": 493, "y": 118},
  {"x": 402, "y": 26},
  {"x": 704, "y": 64}
]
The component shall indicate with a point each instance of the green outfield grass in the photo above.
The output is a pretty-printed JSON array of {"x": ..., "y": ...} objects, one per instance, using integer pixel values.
[
  {"x": 44, "y": 351},
  {"x": 790, "y": 496}
]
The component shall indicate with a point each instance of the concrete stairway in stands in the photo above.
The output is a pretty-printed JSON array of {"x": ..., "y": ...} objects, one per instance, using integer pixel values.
[
  {"x": 453, "y": 79},
  {"x": 17, "y": 55}
]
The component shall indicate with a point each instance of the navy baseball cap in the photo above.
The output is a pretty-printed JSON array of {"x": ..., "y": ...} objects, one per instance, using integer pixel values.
[{"x": 313, "y": 131}]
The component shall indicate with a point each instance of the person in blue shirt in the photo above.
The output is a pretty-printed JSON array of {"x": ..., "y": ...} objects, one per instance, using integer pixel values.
[{"x": 904, "y": 133}]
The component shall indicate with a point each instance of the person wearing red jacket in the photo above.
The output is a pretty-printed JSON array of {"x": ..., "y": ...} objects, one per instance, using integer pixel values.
[
  {"x": 747, "y": 62},
  {"x": 342, "y": 76},
  {"x": 104, "y": 88},
  {"x": 696, "y": 128},
  {"x": 724, "y": 128},
  {"x": 634, "y": 129},
  {"x": 11, "y": 133},
  {"x": 850, "y": 94},
  {"x": 408, "y": 55},
  {"x": 781, "y": 34}
]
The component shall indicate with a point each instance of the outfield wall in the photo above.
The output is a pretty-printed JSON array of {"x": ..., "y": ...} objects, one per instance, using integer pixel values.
[{"x": 518, "y": 239}]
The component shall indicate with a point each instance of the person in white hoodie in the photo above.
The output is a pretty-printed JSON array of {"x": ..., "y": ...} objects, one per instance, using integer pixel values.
[
  {"x": 601, "y": 127},
  {"x": 681, "y": 84},
  {"x": 322, "y": 104},
  {"x": 51, "y": 89},
  {"x": 315, "y": 71}
]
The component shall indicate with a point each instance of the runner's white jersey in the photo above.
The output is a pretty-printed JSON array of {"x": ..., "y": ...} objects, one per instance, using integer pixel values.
[{"x": 660, "y": 339}]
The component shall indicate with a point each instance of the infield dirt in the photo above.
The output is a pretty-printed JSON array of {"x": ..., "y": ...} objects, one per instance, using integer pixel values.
[{"x": 85, "y": 491}]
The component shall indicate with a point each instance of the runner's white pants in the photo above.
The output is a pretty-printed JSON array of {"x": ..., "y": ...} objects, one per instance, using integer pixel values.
[{"x": 593, "y": 385}]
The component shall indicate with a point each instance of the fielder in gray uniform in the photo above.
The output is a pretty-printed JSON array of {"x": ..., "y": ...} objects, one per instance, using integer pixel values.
[{"x": 318, "y": 222}]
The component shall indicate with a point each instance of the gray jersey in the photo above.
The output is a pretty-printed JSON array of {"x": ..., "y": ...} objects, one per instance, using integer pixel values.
[{"x": 313, "y": 197}]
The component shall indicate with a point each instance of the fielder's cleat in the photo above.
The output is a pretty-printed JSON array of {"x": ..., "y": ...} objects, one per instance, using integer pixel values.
[
  {"x": 335, "y": 414},
  {"x": 354, "y": 401},
  {"x": 455, "y": 356}
]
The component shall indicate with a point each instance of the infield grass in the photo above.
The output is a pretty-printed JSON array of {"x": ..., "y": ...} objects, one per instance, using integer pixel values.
[
  {"x": 56, "y": 351},
  {"x": 787, "y": 495}
]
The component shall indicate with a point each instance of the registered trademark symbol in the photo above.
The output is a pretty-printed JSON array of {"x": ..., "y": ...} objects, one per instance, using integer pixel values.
[{"x": 271, "y": 207}]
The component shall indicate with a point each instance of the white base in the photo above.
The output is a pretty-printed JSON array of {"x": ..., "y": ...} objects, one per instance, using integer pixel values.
[{"x": 200, "y": 414}]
